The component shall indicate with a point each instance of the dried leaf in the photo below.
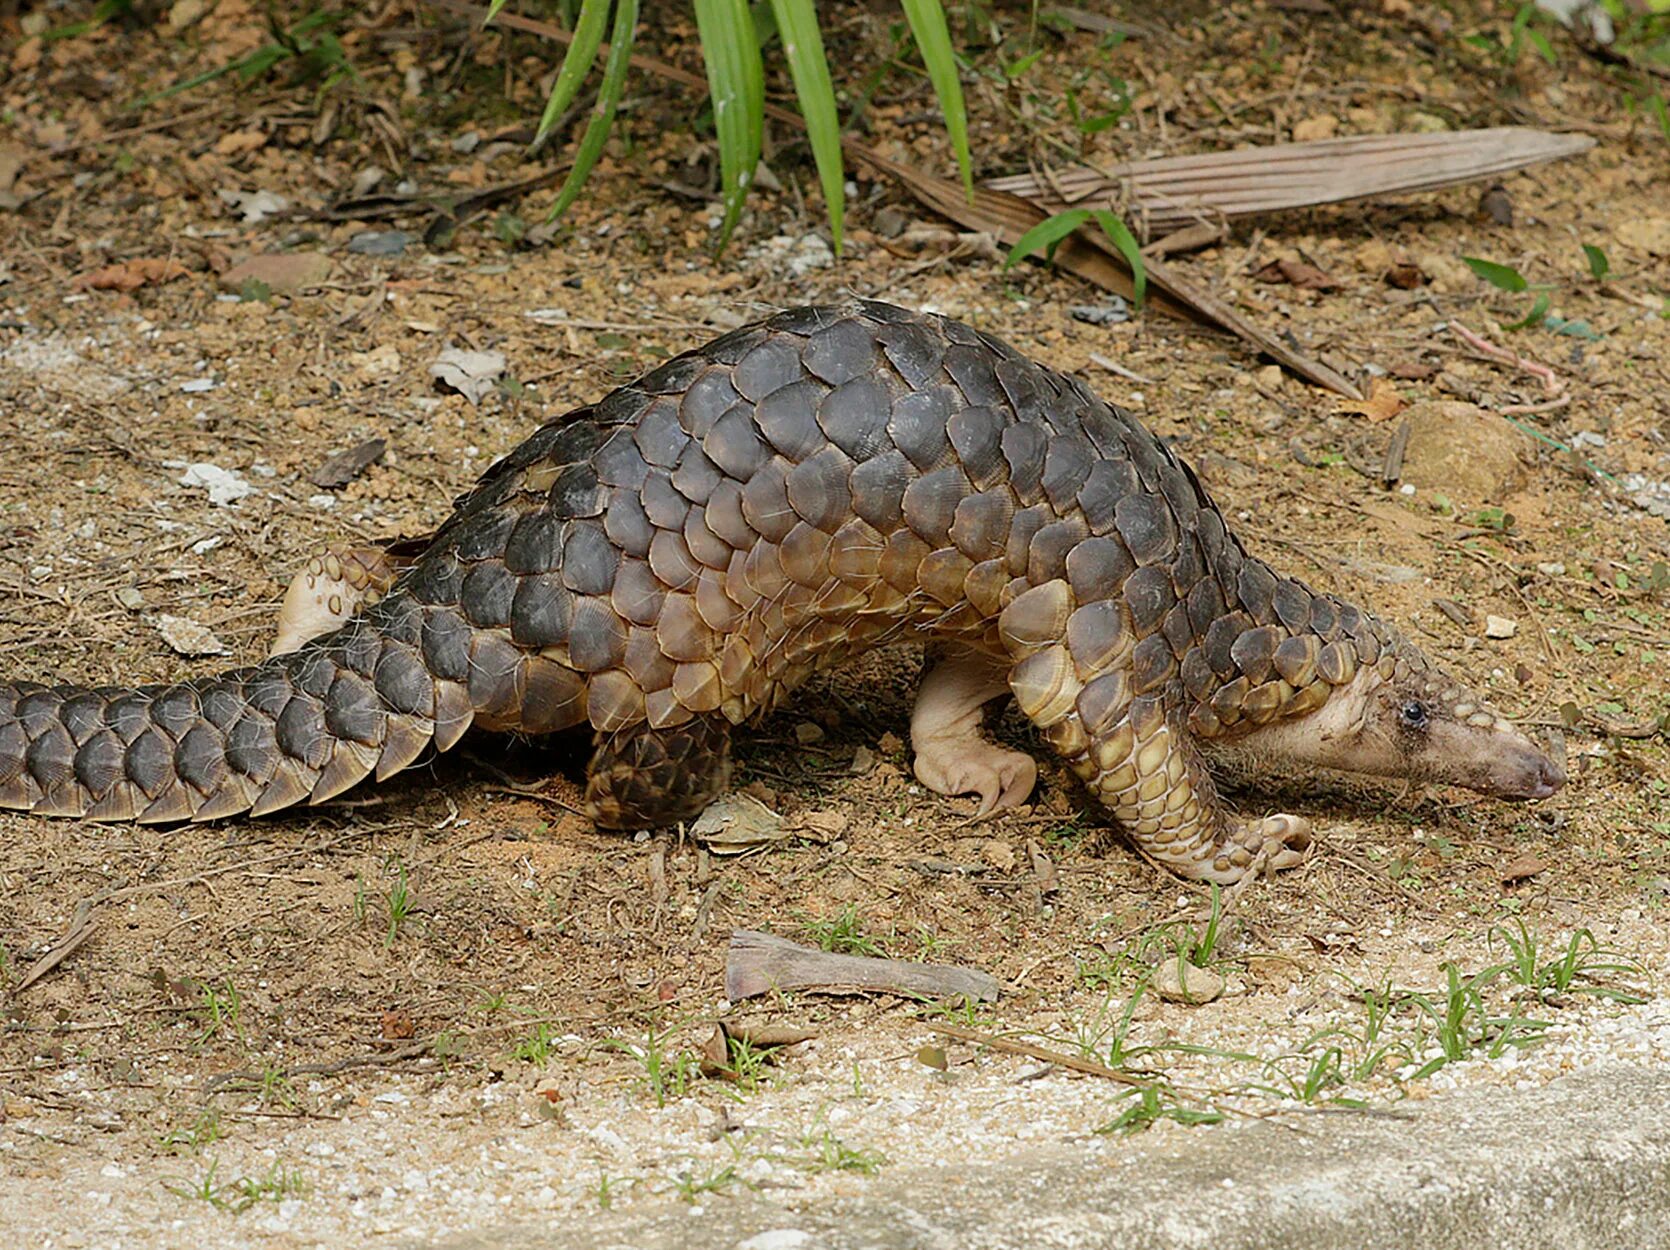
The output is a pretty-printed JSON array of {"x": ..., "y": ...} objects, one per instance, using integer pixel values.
[
  {"x": 1405, "y": 276},
  {"x": 130, "y": 275},
  {"x": 736, "y": 824},
  {"x": 826, "y": 824},
  {"x": 187, "y": 637},
  {"x": 1383, "y": 402},
  {"x": 1522, "y": 867},
  {"x": 1296, "y": 273},
  {"x": 1167, "y": 193},
  {"x": 1043, "y": 871},
  {"x": 472, "y": 374},
  {"x": 344, "y": 466}
]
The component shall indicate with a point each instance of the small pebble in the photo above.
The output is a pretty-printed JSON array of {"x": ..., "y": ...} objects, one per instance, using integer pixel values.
[
  {"x": 380, "y": 242},
  {"x": 1500, "y": 627},
  {"x": 1109, "y": 313}
]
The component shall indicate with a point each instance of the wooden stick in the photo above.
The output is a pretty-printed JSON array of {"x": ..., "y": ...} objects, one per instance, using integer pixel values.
[{"x": 759, "y": 963}]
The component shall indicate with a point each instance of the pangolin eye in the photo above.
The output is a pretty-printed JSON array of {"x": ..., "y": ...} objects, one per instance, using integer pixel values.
[{"x": 1413, "y": 714}]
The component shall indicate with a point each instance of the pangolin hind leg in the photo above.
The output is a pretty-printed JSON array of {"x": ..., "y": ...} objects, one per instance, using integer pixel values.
[
  {"x": 953, "y": 753},
  {"x": 641, "y": 777},
  {"x": 336, "y": 584}
]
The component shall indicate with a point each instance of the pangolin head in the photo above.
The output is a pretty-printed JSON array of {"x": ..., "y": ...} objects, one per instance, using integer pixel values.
[{"x": 1407, "y": 718}]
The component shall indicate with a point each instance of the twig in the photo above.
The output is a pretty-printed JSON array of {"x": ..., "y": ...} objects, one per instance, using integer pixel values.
[
  {"x": 81, "y": 928},
  {"x": 1102, "y": 362},
  {"x": 1550, "y": 380},
  {"x": 1061, "y": 1059},
  {"x": 1548, "y": 405}
]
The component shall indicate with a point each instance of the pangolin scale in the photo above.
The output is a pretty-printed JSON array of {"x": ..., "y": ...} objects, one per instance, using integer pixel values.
[{"x": 677, "y": 558}]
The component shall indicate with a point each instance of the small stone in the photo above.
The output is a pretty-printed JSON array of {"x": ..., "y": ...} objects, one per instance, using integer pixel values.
[
  {"x": 777, "y": 1239},
  {"x": 891, "y": 222},
  {"x": 225, "y": 486},
  {"x": 1000, "y": 855},
  {"x": 380, "y": 242},
  {"x": 131, "y": 598},
  {"x": 254, "y": 206},
  {"x": 1322, "y": 126},
  {"x": 281, "y": 272},
  {"x": 807, "y": 733},
  {"x": 1270, "y": 377},
  {"x": 1462, "y": 451},
  {"x": 1178, "y": 981},
  {"x": 1110, "y": 312},
  {"x": 1500, "y": 627}
]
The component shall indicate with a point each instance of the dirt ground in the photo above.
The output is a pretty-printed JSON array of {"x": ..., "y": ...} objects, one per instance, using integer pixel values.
[{"x": 440, "y": 1001}]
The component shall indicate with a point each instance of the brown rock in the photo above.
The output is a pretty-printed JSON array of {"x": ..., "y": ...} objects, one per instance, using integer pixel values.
[
  {"x": 282, "y": 272},
  {"x": 1462, "y": 450}
]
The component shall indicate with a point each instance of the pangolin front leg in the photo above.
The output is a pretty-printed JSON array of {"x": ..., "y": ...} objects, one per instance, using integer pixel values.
[
  {"x": 953, "y": 753},
  {"x": 1076, "y": 676}
]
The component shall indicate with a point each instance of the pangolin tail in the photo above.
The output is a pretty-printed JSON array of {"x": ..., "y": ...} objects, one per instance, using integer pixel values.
[{"x": 298, "y": 727}]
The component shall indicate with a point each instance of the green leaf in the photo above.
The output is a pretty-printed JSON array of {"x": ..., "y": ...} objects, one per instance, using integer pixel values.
[
  {"x": 1047, "y": 234},
  {"x": 736, "y": 85},
  {"x": 1539, "y": 310},
  {"x": 1016, "y": 69},
  {"x": 608, "y": 100},
  {"x": 1505, "y": 277},
  {"x": 1128, "y": 247},
  {"x": 1599, "y": 266},
  {"x": 927, "y": 23},
  {"x": 797, "y": 23},
  {"x": 576, "y": 63},
  {"x": 1656, "y": 106}
]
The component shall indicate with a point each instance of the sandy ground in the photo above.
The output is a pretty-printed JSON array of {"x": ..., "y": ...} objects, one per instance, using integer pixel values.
[{"x": 429, "y": 1005}]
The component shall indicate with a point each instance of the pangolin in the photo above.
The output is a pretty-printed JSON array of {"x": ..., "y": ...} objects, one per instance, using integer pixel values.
[{"x": 675, "y": 559}]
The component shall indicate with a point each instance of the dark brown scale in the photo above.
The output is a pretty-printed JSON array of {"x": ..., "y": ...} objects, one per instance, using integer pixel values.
[{"x": 918, "y": 426}]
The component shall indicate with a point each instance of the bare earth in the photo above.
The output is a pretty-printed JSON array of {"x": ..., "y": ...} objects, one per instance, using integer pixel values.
[{"x": 441, "y": 1003}]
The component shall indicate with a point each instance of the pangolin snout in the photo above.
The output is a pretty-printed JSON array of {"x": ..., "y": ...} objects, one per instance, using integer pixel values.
[{"x": 1527, "y": 773}]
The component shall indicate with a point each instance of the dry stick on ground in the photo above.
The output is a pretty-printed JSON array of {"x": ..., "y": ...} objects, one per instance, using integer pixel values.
[
  {"x": 1061, "y": 1059},
  {"x": 1551, "y": 382},
  {"x": 759, "y": 963},
  {"x": 1007, "y": 217}
]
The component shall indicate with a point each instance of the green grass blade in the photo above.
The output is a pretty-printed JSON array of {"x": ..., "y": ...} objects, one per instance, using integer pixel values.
[
  {"x": 797, "y": 23},
  {"x": 608, "y": 99},
  {"x": 1128, "y": 247},
  {"x": 1046, "y": 234},
  {"x": 576, "y": 62},
  {"x": 933, "y": 39},
  {"x": 736, "y": 85}
]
